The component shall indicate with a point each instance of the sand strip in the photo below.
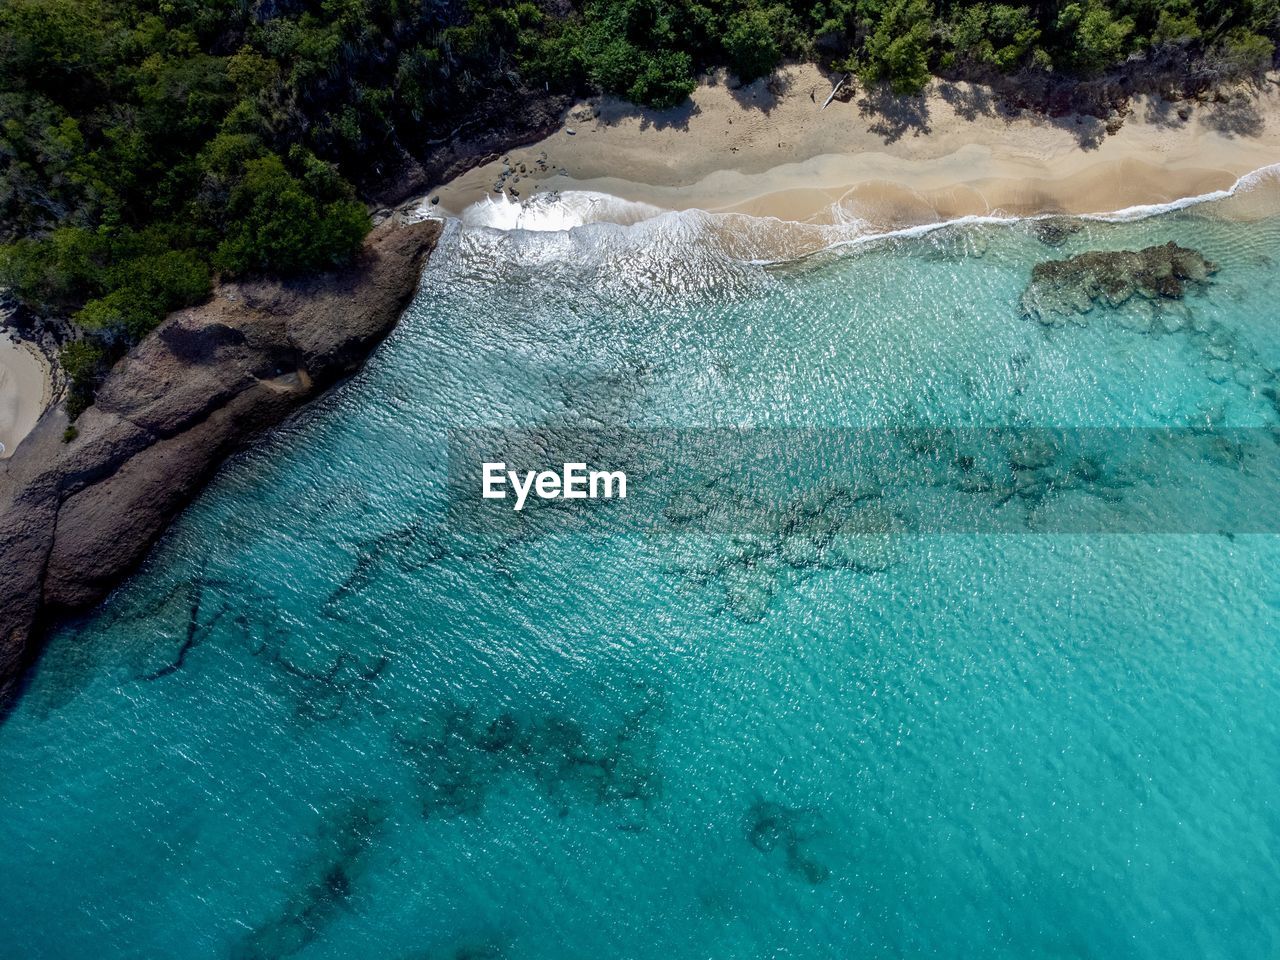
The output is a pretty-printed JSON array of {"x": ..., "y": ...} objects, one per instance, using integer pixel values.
[
  {"x": 24, "y": 392},
  {"x": 777, "y": 153}
]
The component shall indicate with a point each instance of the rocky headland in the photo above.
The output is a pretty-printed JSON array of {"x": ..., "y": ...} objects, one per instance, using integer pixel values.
[{"x": 81, "y": 505}]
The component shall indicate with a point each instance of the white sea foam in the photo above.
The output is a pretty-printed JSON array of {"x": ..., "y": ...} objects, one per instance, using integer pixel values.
[
  {"x": 1252, "y": 179},
  {"x": 556, "y": 211},
  {"x": 769, "y": 240}
]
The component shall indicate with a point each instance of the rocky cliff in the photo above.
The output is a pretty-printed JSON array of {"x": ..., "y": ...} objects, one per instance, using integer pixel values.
[{"x": 77, "y": 516}]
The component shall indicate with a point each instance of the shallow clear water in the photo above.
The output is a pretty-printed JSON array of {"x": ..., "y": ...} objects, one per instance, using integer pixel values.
[{"x": 316, "y": 725}]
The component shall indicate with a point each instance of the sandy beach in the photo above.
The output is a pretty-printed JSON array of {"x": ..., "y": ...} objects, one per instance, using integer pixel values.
[
  {"x": 24, "y": 391},
  {"x": 771, "y": 149}
]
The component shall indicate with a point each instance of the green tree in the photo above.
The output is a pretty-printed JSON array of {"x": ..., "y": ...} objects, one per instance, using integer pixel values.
[
  {"x": 995, "y": 34},
  {"x": 142, "y": 290},
  {"x": 1176, "y": 23},
  {"x": 56, "y": 273},
  {"x": 1243, "y": 53},
  {"x": 642, "y": 48},
  {"x": 755, "y": 39},
  {"x": 897, "y": 46},
  {"x": 1099, "y": 35},
  {"x": 85, "y": 363},
  {"x": 275, "y": 224}
]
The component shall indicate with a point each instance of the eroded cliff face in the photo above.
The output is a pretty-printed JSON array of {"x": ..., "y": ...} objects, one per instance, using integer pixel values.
[{"x": 77, "y": 517}]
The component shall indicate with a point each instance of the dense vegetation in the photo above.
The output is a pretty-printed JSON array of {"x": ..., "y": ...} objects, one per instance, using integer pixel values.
[{"x": 149, "y": 145}]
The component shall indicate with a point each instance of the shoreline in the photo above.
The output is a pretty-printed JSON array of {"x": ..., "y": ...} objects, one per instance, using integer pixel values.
[
  {"x": 770, "y": 150},
  {"x": 26, "y": 390},
  {"x": 777, "y": 154},
  {"x": 78, "y": 514},
  {"x": 75, "y": 518}
]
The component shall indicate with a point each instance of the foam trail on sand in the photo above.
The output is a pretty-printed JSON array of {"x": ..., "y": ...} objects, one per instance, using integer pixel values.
[
  {"x": 772, "y": 240},
  {"x": 1250, "y": 180}
]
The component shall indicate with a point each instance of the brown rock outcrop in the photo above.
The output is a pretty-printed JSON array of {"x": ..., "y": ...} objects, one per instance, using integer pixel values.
[
  {"x": 76, "y": 517},
  {"x": 1060, "y": 289}
]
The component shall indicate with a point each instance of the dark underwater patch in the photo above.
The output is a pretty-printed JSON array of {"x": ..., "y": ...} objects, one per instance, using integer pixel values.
[
  {"x": 1061, "y": 289},
  {"x": 752, "y": 545},
  {"x": 192, "y": 597},
  {"x": 787, "y": 834},
  {"x": 324, "y": 887},
  {"x": 462, "y": 754}
]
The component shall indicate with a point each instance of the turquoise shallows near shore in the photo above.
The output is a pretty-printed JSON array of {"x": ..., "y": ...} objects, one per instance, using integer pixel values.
[{"x": 317, "y": 726}]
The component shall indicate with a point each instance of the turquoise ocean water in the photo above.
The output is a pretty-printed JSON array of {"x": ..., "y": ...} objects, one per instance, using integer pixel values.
[{"x": 319, "y": 724}]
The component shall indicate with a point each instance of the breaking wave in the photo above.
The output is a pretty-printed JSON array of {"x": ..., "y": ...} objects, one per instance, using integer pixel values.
[{"x": 764, "y": 240}]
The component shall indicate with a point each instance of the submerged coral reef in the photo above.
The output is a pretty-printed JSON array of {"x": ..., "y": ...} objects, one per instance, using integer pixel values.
[
  {"x": 1062, "y": 289},
  {"x": 788, "y": 832},
  {"x": 460, "y": 754},
  {"x": 326, "y": 884}
]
